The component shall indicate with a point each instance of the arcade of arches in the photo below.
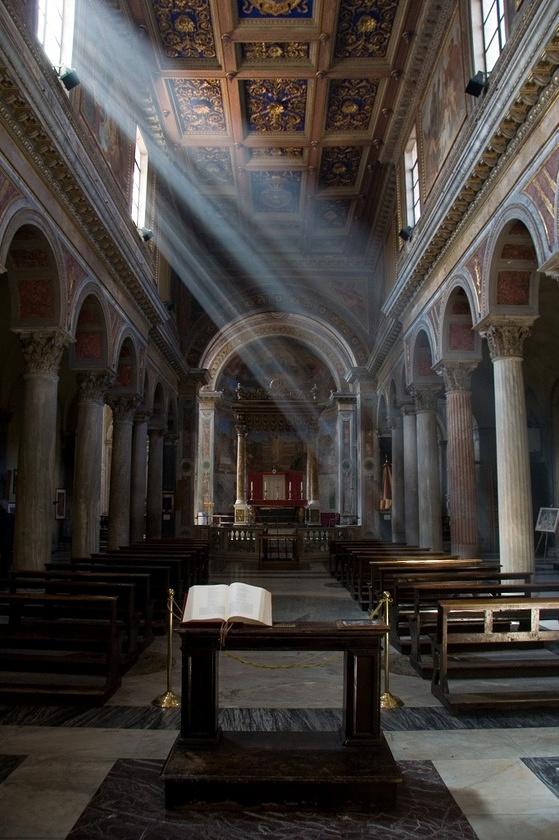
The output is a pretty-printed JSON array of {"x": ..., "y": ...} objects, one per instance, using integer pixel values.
[{"x": 270, "y": 263}]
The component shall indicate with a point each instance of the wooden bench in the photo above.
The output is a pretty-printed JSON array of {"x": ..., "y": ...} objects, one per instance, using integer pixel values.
[
  {"x": 405, "y": 586},
  {"x": 127, "y": 618},
  {"x": 384, "y": 575},
  {"x": 423, "y": 621},
  {"x": 142, "y": 592},
  {"x": 65, "y": 636},
  {"x": 525, "y": 611}
]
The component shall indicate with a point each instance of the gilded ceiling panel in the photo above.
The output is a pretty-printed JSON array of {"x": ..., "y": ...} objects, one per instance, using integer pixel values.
[
  {"x": 332, "y": 214},
  {"x": 350, "y": 104},
  {"x": 185, "y": 27},
  {"x": 364, "y": 28},
  {"x": 276, "y": 192},
  {"x": 275, "y": 104},
  {"x": 199, "y": 105},
  {"x": 258, "y": 9},
  {"x": 339, "y": 166},
  {"x": 212, "y": 165},
  {"x": 277, "y": 52},
  {"x": 278, "y": 152}
]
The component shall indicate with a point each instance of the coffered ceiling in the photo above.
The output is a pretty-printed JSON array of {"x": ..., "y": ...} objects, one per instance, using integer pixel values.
[{"x": 280, "y": 107}]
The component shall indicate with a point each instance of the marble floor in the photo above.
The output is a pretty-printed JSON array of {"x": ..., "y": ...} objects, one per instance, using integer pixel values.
[{"x": 70, "y": 772}]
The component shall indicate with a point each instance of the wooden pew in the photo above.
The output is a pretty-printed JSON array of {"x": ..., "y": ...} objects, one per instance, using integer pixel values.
[
  {"x": 140, "y": 581},
  {"x": 422, "y": 623},
  {"x": 160, "y": 580},
  {"x": 64, "y": 636},
  {"x": 383, "y": 575},
  {"x": 127, "y": 618},
  {"x": 527, "y": 611}
]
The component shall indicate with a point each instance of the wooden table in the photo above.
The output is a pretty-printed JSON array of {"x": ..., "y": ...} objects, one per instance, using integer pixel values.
[{"x": 355, "y": 763}]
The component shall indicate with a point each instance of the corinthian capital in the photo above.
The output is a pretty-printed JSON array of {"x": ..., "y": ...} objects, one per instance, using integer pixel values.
[
  {"x": 42, "y": 350},
  {"x": 457, "y": 376},
  {"x": 94, "y": 384},
  {"x": 506, "y": 340},
  {"x": 425, "y": 397},
  {"x": 124, "y": 406}
]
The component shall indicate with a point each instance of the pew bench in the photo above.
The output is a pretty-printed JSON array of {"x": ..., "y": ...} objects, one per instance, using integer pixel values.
[
  {"x": 127, "y": 618},
  {"x": 74, "y": 639},
  {"x": 490, "y": 613}
]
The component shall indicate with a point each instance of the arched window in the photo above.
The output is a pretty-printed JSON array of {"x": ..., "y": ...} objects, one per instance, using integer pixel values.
[
  {"x": 411, "y": 164},
  {"x": 55, "y": 30},
  {"x": 139, "y": 181}
]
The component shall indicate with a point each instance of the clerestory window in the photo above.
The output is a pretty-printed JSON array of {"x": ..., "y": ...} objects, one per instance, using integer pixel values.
[
  {"x": 55, "y": 30},
  {"x": 139, "y": 181}
]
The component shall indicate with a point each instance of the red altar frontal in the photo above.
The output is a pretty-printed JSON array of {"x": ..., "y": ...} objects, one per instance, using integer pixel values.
[{"x": 276, "y": 489}]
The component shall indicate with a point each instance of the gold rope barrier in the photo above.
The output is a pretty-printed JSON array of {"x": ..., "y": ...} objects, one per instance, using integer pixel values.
[
  {"x": 168, "y": 700},
  {"x": 388, "y": 701}
]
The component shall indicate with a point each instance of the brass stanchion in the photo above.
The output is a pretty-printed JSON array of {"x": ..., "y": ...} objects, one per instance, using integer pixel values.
[
  {"x": 169, "y": 700},
  {"x": 388, "y": 701}
]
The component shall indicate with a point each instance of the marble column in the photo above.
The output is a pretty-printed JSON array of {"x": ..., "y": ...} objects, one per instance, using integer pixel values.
[
  {"x": 398, "y": 509},
  {"x": 42, "y": 352},
  {"x": 429, "y": 488},
  {"x": 411, "y": 502},
  {"x": 138, "y": 488},
  {"x": 241, "y": 507},
  {"x": 123, "y": 408},
  {"x": 516, "y": 527},
  {"x": 461, "y": 468},
  {"x": 155, "y": 483},
  {"x": 92, "y": 387},
  {"x": 313, "y": 504}
]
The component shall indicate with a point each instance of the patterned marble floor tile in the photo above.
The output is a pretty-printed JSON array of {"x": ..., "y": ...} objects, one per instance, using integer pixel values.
[
  {"x": 129, "y": 806},
  {"x": 8, "y": 763},
  {"x": 547, "y": 770}
]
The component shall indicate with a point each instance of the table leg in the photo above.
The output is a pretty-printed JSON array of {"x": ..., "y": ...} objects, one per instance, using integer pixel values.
[
  {"x": 361, "y": 714},
  {"x": 199, "y": 714}
]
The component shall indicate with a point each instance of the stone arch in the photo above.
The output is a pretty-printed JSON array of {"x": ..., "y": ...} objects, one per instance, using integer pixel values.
[
  {"x": 325, "y": 342},
  {"x": 382, "y": 412},
  {"x": 457, "y": 338},
  {"x": 31, "y": 251},
  {"x": 510, "y": 267},
  {"x": 423, "y": 353},
  {"x": 89, "y": 328},
  {"x": 126, "y": 365},
  {"x": 172, "y": 415},
  {"x": 159, "y": 403}
]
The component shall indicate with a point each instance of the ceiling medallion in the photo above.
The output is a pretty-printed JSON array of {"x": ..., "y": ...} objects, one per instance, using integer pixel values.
[
  {"x": 276, "y": 104},
  {"x": 364, "y": 28},
  {"x": 274, "y": 8}
]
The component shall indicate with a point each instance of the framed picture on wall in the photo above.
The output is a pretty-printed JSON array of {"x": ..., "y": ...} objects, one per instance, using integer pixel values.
[
  {"x": 60, "y": 504},
  {"x": 547, "y": 520}
]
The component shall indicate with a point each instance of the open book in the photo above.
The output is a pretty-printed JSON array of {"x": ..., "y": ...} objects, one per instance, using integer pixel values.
[{"x": 237, "y": 602}]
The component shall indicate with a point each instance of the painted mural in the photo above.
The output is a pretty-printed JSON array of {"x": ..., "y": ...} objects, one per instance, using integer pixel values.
[
  {"x": 444, "y": 107},
  {"x": 276, "y": 360},
  {"x": 100, "y": 88}
]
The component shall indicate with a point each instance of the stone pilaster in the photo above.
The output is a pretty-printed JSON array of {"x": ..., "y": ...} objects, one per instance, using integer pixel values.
[
  {"x": 516, "y": 538},
  {"x": 42, "y": 352},
  {"x": 429, "y": 487},
  {"x": 138, "y": 477},
  {"x": 124, "y": 408},
  {"x": 460, "y": 458},
  {"x": 155, "y": 483},
  {"x": 398, "y": 502},
  {"x": 92, "y": 387},
  {"x": 411, "y": 502}
]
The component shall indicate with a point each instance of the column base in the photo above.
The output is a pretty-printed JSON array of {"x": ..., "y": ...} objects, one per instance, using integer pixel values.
[
  {"x": 465, "y": 551},
  {"x": 242, "y": 513},
  {"x": 312, "y": 515}
]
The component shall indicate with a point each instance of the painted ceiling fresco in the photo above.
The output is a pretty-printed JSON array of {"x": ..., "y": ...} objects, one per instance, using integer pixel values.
[{"x": 281, "y": 104}]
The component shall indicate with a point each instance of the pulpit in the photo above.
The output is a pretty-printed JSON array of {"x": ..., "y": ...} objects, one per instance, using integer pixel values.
[{"x": 210, "y": 765}]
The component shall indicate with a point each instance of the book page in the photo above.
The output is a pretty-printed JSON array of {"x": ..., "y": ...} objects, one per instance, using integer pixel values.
[
  {"x": 206, "y": 603},
  {"x": 249, "y": 604}
]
